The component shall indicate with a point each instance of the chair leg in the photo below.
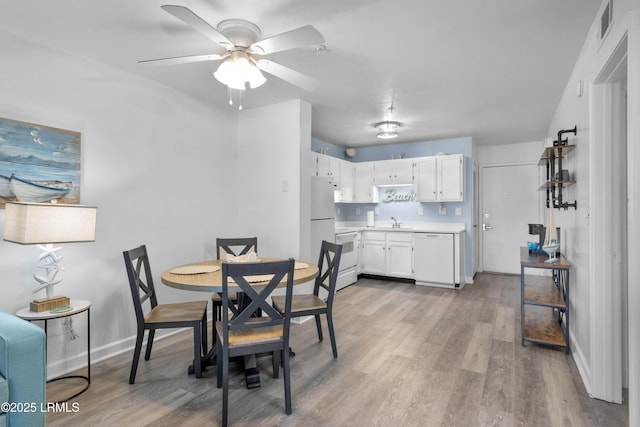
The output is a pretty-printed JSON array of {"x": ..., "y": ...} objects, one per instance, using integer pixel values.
[
  {"x": 332, "y": 335},
  {"x": 152, "y": 334},
  {"x": 287, "y": 381},
  {"x": 197, "y": 349},
  {"x": 136, "y": 356},
  {"x": 219, "y": 364},
  {"x": 319, "y": 326},
  {"x": 275, "y": 360},
  {"x": 204, "y": 332},
  {"x": 218, "y": 310},
  {"x": 225, "y": 386}
]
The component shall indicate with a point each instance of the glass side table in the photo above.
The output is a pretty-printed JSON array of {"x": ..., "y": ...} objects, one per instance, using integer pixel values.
[{"x": 78, "y": 306}]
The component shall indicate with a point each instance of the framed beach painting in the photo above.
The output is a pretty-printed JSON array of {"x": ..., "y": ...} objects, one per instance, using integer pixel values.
[{"x": 38, "y": 163}]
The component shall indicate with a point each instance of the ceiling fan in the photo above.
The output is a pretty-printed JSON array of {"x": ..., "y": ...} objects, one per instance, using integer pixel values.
[{"x": 240, "y": 48}]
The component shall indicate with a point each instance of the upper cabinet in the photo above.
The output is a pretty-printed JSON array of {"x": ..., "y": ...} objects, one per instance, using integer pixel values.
[
  {"x": 437, "y": 178},
  {"x": 450, "y": 178},
  {"x": 327, "y": 167},
  {"x": 346, "y": 189},
  {"x": 394, "y": 172},
  {"x": 440, "y": 178},
  {"x": 364, "y": 183}
]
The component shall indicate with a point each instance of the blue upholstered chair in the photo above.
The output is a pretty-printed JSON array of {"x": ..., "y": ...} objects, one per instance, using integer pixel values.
[{"x": 23, "y": 370}]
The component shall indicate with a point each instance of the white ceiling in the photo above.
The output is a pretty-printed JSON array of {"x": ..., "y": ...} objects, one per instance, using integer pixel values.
[{"x": 490, "y": 69}]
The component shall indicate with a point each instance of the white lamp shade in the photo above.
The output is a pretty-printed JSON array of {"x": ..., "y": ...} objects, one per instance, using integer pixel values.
[
  {"x": 31, "y": 223},
  {"x": 237, "y": 70}
]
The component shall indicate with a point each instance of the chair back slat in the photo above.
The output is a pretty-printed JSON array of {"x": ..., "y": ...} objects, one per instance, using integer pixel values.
[
  {"x": 255, "y": 296},
  {"x": 328, "y": 266},
  {"x": 140, "y": 279},
  {"x": 242, "y": 245}
]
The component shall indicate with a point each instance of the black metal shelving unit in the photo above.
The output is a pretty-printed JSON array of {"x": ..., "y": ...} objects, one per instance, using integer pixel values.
[{"x": 552, "y": 158}]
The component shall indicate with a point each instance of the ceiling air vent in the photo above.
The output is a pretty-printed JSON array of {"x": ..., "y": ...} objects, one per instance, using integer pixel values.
[{"x": 605, "y": 19}]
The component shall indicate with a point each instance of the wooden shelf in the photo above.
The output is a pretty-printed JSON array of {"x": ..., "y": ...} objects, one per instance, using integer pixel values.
[
  {"x": 551, "y": 153},
  {"x": 550, "y": 184},
  {"x": 538, "y": 260},
  {"x": 541, "y": 325},
  {"x": 544, "y": 294},
  {"x": 544, "y": 302}
]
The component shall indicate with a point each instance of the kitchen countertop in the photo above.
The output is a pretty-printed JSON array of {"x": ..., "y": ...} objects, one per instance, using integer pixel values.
[{"x": 421, "y": 227}]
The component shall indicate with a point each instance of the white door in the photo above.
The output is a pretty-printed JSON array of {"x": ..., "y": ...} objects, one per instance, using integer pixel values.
[{"x": 510, "y": 201}]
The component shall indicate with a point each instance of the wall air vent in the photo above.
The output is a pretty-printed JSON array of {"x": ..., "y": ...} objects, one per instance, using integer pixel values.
[{"x": 606, "y": 19}]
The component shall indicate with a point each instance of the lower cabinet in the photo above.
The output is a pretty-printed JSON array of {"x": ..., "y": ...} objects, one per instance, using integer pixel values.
[{"x": 387, "y": 254}]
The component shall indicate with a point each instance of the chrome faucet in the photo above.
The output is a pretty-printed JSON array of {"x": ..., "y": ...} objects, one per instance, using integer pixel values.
[{"x": 396, "y": 224}]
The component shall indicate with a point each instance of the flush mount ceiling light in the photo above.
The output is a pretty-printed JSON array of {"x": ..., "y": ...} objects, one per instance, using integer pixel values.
[{"x": 387, "y": 129}]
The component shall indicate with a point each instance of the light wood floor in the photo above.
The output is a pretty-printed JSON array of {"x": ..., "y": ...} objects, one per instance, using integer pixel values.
[{"x": 408, "y": 356}]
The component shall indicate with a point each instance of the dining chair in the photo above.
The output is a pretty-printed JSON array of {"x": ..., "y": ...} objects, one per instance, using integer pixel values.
[
  {"x": 231, "y": 246},
  {"x": 314, "y": 304},
  {"x": 161, "y": 316},
  {"x": 241, "y": 332}
]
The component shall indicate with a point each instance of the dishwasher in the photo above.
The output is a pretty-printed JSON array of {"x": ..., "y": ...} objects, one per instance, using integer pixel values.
[{"x": 434, "y": 259}]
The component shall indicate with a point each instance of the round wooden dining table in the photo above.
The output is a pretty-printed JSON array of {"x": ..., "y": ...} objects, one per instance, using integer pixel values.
[{"x": 206, "y": 276}]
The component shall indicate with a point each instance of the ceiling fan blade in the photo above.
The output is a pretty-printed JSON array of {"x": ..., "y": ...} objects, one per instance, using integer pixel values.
[
  {"x": 287, "y": 74},
  {"x": 300, "y": 37},
  {"x": 182, "y": 59},
  {"x": 187, "y": 16}
]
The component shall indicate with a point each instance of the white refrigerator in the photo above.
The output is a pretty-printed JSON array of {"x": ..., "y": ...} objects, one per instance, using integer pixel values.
[{"x": 323, "y": 214}]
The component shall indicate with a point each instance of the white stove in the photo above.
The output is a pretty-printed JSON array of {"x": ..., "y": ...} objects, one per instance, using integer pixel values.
[{"x": 348, "y": 270}]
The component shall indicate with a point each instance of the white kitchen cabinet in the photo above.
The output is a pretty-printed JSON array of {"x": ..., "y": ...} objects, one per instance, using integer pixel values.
[
  {"x": 327, "y": 167},
  {"x": 400, "y": 255},
  {"x": 374, "y": 253},
  {"x": 387, "y": 253},
  {"x": 363, "y": 183},
  {"x": 426, "y": 178},
  {"x": 347, "y": 178},
  {"x": 450, "y": 178},
  {"x": 440, "y": 178},
  {"x": 393, "y": 172}
]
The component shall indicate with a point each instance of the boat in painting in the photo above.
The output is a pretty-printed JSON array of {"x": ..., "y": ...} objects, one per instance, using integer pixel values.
[
  {"x": 38, "y": 191},
  {"x": 5, "y": 188}
]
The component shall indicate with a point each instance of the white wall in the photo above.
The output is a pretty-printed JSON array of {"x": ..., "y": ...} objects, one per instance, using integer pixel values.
[
  {"x": 592, "y": 298},
  {"x": 523, "y": 152},
  {"x": 273, "y": 199},
  {"x": 156, "y": 164}
]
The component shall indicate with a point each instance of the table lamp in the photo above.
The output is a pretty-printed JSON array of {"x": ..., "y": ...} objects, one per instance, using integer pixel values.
[{"x": 44, "y": 224}]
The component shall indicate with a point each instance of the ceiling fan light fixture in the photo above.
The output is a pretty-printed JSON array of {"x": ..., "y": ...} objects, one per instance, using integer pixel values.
[
  {"x": 238, "y": 70},
  {"x": 387, "y": 129}
]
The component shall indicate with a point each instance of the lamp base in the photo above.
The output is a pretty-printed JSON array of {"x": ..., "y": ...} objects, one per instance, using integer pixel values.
[{"x": 45, "y": 304}]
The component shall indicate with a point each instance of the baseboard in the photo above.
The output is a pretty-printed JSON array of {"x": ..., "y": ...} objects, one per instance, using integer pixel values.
[
  {"x": 581, "y": 363},
  {"x": 98, "y": 354}
]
